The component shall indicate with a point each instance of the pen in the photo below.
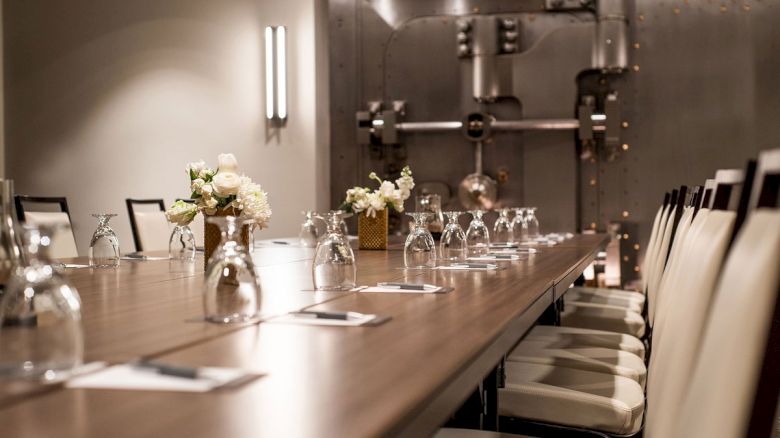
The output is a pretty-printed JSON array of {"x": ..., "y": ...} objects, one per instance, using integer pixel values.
[
  {"x": 279, "y": 242},
  {"x": 328, "y": 315},
  {"x": 475, "y": 265},
  {"x": 403, "y": 286},
  {"x": 169, "y": 370}
]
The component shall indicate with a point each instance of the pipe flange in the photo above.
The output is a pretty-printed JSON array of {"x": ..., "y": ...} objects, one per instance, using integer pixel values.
[{"x": 477, "y": 126}]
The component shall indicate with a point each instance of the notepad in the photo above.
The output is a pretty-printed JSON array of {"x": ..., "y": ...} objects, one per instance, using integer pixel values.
[
  {"x": 130, "y": 377},
  {"x": 427, "y": 289},
  {"x": 363, "y": 320},
  {"x": 494, "y": 258},
  {"x": 469, "y": 267}
]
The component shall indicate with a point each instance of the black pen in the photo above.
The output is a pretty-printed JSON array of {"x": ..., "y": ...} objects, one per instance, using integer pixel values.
[
  {"x": 169, "y": 370},
  {"x": 403, "y": 286},
  {"x": 279, "y": 242},
  {"x": 328, "y": 315}
]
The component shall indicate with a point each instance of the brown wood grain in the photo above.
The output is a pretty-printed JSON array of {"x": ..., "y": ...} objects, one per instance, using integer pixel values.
[{"x": 402, "y": 378}]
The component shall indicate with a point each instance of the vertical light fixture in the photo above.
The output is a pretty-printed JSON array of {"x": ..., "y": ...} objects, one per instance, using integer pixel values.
[{"x": 276, "y": 74}]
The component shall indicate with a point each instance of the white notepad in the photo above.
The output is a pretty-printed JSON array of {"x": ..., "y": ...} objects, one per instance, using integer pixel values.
[
  {"x": 294, "y": 318},
  {"x": 130, "y": 377},
  {"x": 428, "y": 289}
]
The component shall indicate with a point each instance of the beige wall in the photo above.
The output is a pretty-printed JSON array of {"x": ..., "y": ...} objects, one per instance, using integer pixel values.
[{"x": 111, "y": 99}]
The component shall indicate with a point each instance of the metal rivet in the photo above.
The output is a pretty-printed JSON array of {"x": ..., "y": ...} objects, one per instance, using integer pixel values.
[
  {"x": 636, "y": 268},
  {"x": 745, "y": 8},
  {"x": 636, "y": 45},
  {"x": 624, "y": 124},
  {"x": 625, "y": 146},
  {"x": 676, "y": 11},
  {"x": 636, "y": 246},
  {"x": 723, "y": 8},
  {"x": 625, "y": 214},
  {"x": 636, "y": 67},
  {"x": 593, "y": 181},
  {"x": 593, "y": 225},
  {"x": 641, "y": 17},
  {"x": 625, "y": 235},
  {"x": 625, "y": 258}
]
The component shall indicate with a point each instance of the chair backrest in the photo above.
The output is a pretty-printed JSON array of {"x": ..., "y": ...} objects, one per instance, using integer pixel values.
[
  {"x": 733, "y": 373},
  {"x": 675, "y": 350},
  {"x": 651, "y": 242},
  {"x": 63, "y": 243},
  {"x": 661, "y": 256},
  {"x": 150, "y": 228}
]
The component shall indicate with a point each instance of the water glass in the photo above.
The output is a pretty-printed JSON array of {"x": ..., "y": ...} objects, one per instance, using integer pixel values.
[
  {"x": 309, "y": 234},
  {"x": 232, "y": 290},
  {"x": 181, "y": 245},
  {"x": 453, "y": 239},
  {"x": 431, "y": 203},
  {"x": 477, "y": 235},
  {"x": 502, "y": 229},
  {"x": 519, "y": 226},
  {"x": 420, "y": 249},
  {"x": 334, "y": 266},
  {"x": 532, "y": 222},
  {"x": 104, "y": 246},
  {"x": 41, "y": 336}
]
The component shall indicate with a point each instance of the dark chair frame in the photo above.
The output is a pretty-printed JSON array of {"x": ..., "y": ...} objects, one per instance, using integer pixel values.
[
  {"x": 133, "y": 225},
  {"x": 19, "y": 200}
]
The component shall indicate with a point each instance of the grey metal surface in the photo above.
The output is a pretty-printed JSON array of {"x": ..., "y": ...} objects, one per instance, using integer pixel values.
[{"x": 700, "y": 94}]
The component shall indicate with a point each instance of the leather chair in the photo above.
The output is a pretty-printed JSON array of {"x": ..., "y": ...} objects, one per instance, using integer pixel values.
[
  {"x": 63, "y": 241},
  {"x": 151, "y": 230}
]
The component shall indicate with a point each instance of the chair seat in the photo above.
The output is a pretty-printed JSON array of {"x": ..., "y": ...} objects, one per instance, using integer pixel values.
[
  {"x": 572, "y": 397},
  {"x": 603, "y": 317},
  {"x": 567, "y": 337},
  {"x": 627, "y": 302},
  {"x": 606, "y": 292},
  {"x": 597, "y": 359}
]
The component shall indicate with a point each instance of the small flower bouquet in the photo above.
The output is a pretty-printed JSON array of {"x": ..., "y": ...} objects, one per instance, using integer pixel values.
[
  {"x": 372, "y": 205},
  {"x": 221, "y": 192}
]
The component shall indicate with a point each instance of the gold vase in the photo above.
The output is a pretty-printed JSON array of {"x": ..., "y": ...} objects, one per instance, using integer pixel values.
[
  {"x": 212, "y": 235},
  {"x": 372, "y": 231}
]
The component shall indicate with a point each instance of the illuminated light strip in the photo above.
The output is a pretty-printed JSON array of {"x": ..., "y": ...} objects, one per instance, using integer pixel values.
[
  {"x": 269, "y": 73},
  {"x": 281, "y": 73}
]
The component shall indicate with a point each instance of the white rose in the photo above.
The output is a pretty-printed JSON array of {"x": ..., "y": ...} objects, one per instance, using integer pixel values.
[
  {"x": 206, "y": 190},
  {"x": 360, "y": 205},
  {"x": 226, "y": 183},
  {"x": 386, "y": 189},
  {"x": 195, "y": 168},
  {"x": 376, "y": 202},
  {"x": 197, "y": 185},
  {"x": 398, "y": 200},
  {"x": 227, "y": 163},
  {"x": 181, "y": 213}
]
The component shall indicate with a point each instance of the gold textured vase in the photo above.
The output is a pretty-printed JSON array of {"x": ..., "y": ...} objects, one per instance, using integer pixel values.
[{"x": 372, "y": 231}]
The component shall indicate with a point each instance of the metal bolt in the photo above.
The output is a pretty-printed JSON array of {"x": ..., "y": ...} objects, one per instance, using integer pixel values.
[
  {"x": 636, "y": 246},
  {"x": 636, "y": 67},
  {"x": 641, "y": 17},
  {"x": 625, "y": 258},
  {"x": 625, "y": 146},
  {"x": 508, "y": 23},
  {"x": 508, "y": 47},
  {"x": 624, "y": 124},
  {"x": 609, "y": 41},
  {"x": 463, "y": 50},
  {"x": 636, "y": 45},
  {"x": 625, "y": 214},
  {"x": 636, "y": 268},
  {"x": 723, "y": 8},
  {"x": 593, "y": 181},
  {"x": 464, "y": 25},
  {"x": 746, "y": 7},
  {"x": 593, "y": 225},
  {"x": 625, "y": 236},
  {"x": 676, "y": 11}
]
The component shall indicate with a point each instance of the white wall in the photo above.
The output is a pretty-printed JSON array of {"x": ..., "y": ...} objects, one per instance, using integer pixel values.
[{"x": 108, "y": 100}]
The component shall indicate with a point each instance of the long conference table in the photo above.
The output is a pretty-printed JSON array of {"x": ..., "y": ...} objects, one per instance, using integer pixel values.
[{"x": 402, "y": 378}]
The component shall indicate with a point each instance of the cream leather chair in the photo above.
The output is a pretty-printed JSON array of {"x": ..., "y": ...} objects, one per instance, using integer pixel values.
[
  {"x": 151, "y": 230},
  {"x": 600, "y": 400},
  {"x": 732, "y": 392},
  {"x": 63, "y": 241}
]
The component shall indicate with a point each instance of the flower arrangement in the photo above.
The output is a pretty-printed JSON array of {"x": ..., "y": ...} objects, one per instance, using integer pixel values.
[
  {"x": 363, "y": 199},
  {"x": 221, "y": 190}
]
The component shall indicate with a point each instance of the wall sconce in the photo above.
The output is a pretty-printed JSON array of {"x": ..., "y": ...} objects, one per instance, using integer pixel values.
[{"x": 276, "y": 74}]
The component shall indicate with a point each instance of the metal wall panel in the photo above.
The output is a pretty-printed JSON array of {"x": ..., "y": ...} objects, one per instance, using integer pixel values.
[{"x": 701, "y": 94}]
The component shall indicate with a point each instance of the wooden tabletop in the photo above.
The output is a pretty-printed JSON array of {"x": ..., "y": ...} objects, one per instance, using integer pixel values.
[{"x": 402, "y": 378}]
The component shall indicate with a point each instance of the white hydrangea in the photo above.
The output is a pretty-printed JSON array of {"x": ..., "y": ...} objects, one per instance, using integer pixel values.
[{"x": 253, "y": 203}]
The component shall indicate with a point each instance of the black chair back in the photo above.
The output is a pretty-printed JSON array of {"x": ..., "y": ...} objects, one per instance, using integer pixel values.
[
  {"x": 131, "y": 212},
  {"x": 20, "y": 200}
]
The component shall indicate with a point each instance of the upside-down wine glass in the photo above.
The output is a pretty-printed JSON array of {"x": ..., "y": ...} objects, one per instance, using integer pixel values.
[
  {"x": 40, "y": 316},
  {"x": 104, "y": 246},
  {"x": 420, "y": 248},
  {"x": 308, "y": 235},
  {"x": 502, "y": 229},
  {"x": 334, "y": 266},
  {"x": 453, "y": 239},
  {"x": 519, "y": 226},
  {"x": 232, "y": 290},
  {"x": 477, "y": 236},
  {"x": 181, "y": 245},
  {"x": 533, "y": 223}
]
